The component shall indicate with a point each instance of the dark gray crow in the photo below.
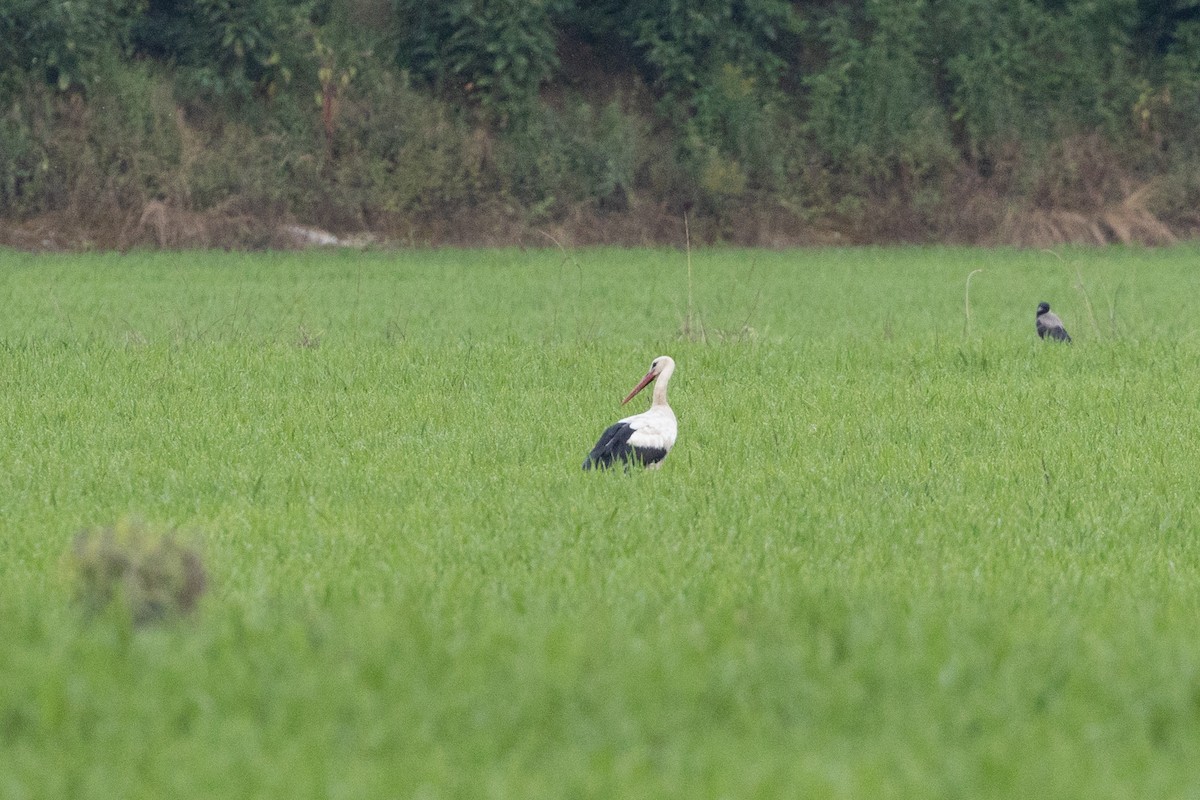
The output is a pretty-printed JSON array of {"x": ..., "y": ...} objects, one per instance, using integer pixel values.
[{"x": 1048, "y": 324}]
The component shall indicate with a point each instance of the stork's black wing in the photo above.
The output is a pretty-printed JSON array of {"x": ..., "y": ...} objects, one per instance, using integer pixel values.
[{"x": 613, "y": 446}]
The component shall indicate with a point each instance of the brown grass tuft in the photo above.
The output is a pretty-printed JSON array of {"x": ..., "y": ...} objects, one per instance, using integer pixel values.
[
  {"x": 1128, "y": 222},
  {"x": 145, "y": 574},
  {"x": 228, "y": 226}
]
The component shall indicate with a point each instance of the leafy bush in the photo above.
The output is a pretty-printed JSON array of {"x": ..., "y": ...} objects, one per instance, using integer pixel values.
[
  {"x": 228, "y": 49},
  {"x": 396, "y": 152},
  {"x": 1019, "y": 69},
  {"x": 59, "y": 43},
  {"x": 24, "y": 163},
  {"x": 680, "y": 45},
  {"x": 498, "y": 51},
  {"x": 871, "y": 108},
  {"x": 747, "y": 124},
  {"x": 136, "y": 571},
  {"x": 1177, "y": 110},
  {"x": 97, "y": 158},
  {"x": 577, "y": 155}
]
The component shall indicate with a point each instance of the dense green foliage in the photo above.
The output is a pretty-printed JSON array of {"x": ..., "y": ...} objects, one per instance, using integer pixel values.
[
  {"x": 888, "y": 556},
  {"x": 501, "y": 51},
  {"x": 900, "y": 118},
  {"x": 63, "y": 44}
]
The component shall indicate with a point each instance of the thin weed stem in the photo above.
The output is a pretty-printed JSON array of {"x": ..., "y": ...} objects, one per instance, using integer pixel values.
[
  {"x": 1082, "y": 289},
  {"x": 692, "y": 327},
  {"x": 967, "y": 304}
]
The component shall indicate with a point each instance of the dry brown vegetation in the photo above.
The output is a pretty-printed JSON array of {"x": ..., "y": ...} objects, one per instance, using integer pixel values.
[{"x": 970, "y": 215}]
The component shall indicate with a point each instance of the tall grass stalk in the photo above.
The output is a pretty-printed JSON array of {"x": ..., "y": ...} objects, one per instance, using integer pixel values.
[
  {"x": 967, "y": 303},
  {"x": 692, "y": 327}
]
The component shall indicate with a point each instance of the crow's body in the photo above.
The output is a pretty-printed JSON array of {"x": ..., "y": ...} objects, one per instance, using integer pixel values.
[{"x": 1048, "y": 324}]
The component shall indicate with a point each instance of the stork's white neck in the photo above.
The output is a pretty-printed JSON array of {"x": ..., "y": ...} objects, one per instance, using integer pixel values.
[{"x": 660, "y": 385}]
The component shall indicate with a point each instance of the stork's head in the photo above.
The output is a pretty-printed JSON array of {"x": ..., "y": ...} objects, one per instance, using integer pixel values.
[
  {"x": 1043, "y": 308},
  {"x": 659, "y": 366}
]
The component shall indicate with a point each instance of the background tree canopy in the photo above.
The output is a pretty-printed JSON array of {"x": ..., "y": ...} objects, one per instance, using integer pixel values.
[{"x": 864, "y": 120}]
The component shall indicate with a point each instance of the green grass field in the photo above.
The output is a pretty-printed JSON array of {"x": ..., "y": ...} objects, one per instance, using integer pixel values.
[{"x": 888, "y": 557}]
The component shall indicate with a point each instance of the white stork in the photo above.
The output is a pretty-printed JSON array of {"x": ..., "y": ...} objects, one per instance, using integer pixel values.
[{"x": 644, "y": 438}]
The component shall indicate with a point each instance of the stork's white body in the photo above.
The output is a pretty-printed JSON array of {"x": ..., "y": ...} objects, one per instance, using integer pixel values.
[
  {"x": 644, "y": 438},
  {"x": 653, "y": 430}
]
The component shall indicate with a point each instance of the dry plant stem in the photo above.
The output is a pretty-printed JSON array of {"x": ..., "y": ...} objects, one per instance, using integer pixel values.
[
  {"x": 558, "y": 244},
  {"x": 967, "y": 303},
  {"x": 1087, "y": 300},
  {"x": 688, "y": 327},
  {"x": 1113, "y": 326},
  {"x": 687, "y": 243},
  {"x": 1082, "y": 289},
  {"x": 567, "y": 258}
]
